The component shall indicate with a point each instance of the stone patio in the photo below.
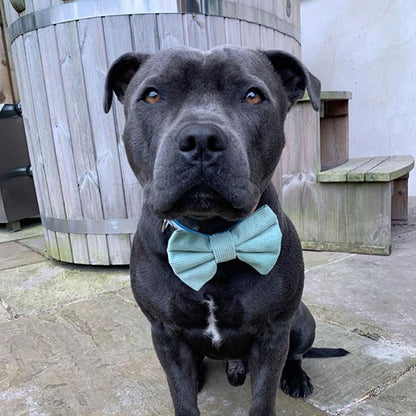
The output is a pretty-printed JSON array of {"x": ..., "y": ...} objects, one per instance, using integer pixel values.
[{"x": 74, "y": 343}]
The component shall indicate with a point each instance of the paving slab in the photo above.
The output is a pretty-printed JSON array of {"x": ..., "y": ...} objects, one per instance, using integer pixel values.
[
  {"x": 342, "y": 381},
  {"x": 13, "y": 254},
  {"x": 36, "y": 244},
  {"x": 398, "y": 399},
  {"x": 90, "y": 358},
  {"x": 30, "y": 228},
  {"x": 49, "y": 284},
  {"x": 378, "y": 290},
  {"x": 4, "y": 315},
  {"x": 313, "y": 259}
]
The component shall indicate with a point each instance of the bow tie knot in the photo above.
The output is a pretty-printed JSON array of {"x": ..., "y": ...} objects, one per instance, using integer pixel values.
[
  {"x": 223, "y": 247},
  {"x": 256, "y": 241}
]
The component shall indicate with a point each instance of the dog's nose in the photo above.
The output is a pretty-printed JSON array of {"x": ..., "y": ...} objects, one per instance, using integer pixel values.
[{"x": 201, "y": 142}]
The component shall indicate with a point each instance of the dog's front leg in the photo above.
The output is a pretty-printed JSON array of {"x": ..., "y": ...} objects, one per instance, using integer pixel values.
[
  {"x": 181, "y": 366},
  {"x": 266, "y": 361}
]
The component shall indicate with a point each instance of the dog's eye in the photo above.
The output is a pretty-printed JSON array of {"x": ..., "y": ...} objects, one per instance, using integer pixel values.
[
  {"x": 151, "y": 96},
  {"x": 253, "y": 96}
]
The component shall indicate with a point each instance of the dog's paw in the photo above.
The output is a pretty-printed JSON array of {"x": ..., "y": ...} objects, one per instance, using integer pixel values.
[
  {"x": 236, "y": 372},
  {"x": 295, "y": 381}
]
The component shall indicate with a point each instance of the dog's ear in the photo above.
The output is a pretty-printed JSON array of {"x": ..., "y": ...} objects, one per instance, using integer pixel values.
[
  {"x": 296, "y": 78},
  {"x": 119, "y": 76}
]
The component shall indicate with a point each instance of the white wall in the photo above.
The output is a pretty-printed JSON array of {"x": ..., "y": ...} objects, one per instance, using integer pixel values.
[{"x": 367, "y": 47}]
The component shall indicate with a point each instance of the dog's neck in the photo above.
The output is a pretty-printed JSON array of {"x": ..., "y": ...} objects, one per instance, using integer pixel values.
[{"x": 206, "y": 226}]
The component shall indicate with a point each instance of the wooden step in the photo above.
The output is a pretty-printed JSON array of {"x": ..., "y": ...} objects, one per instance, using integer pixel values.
[{"x": 369, "y": 169}]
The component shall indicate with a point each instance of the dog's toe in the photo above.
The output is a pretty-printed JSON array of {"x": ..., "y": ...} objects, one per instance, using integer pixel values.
[
  {"x": 236, "y": 372},
  {"x": 295, "y": 381}
]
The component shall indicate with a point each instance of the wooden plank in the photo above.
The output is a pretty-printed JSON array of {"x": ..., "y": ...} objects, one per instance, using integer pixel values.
[
  {"x": 333, "y": 211},
  {"x": 279, "y": 9},
  {"x": 216, "y": 31},
  {"x": 81, "y": 135},
  {"x": 358, "y": 174},
  {"x": 40, "y": 4},
  {"x": 56, "y": 107},
  {"x": 372, "y": 213},
  {"x": 195, "y": 31},
  {"x": 32, "y": 136},
  {"x": 301, "y": 132},
  {"x": 339, "y": 174},
  {"x": 335, "y": 108},
  {"x": 170, "y": 30},
  {"x": 392, "y": 168},
  {"x": 118, "y": 41},
  {"x": 331, "y": 96},
  {"x": 399, "y": 200},
  {"x": 279, "y": 41},
  {"x": 6, "y": 89},
  {"x": 346, "y": 248},
  {"x": 95, "y": 65},
  {"x": 266, "y": 38},
  {"x": 29, "y": 6},
  {"x": 8, "y": 85},
  {"x": 334, "y": 141},
  {"x": 299, "y": 169},
  {"x": 232, "y": 31},
  {"x": 143, "y": 31},
  {"x": 309, "y": 206},
  {"x": 46, "y": 152},
  {"x": 250, "y": 34}
]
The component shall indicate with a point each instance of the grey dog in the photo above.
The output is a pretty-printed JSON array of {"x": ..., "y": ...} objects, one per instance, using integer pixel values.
[{"x": 203, "y": 135}]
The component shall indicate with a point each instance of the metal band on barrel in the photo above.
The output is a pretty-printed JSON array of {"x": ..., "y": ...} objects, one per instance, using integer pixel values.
[
  {"x": 90, "y": 227},
  {"x": 88, "y": 9}
]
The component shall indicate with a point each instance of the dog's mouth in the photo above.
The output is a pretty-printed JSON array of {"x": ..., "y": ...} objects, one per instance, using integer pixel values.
[{"x": 202, "y": 203}]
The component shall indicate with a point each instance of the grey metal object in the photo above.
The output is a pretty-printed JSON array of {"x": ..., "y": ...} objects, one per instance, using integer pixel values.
[
  {"x": 17, "y": 192},
  {"x": 87, "y": 9},
  {"x": 116, "y": 226}
]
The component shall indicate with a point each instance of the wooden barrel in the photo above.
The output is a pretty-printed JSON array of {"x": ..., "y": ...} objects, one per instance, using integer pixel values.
[{"x": 89, "y": 199}]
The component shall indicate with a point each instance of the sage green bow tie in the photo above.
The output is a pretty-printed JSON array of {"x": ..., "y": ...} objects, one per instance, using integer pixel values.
[{"x": 256, "y": 241}]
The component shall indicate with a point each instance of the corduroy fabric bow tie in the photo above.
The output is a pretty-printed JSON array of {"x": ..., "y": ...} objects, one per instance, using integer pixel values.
[{"x": 256, "y": 241}]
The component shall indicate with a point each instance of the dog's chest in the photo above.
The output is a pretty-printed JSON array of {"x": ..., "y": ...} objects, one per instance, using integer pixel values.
[
  {"x": 212, "y": 330},
  {"x": 212, "y": 319}
]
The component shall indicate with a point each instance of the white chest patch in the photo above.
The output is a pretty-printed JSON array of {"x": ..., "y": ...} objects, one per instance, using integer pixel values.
[{"x": 212, "y": 330}]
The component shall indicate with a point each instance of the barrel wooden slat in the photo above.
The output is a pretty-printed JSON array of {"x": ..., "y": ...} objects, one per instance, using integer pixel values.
[
  {"x": 232, "y": 31},
  {"x": 170, "y": 30},
  {"x": 46, "y": 140},
  {"x": 29, "y": 7},
  {"x": 116, "y": 46},
  {"x": 11, "y": 14},
  {"x": 29, "y": 117},
  {"x": 250, "y": 34},
  {"x": 94, "y": 63},
  {"x": 145, "y": 37},
  {"x": 216, "y": 31},
  {"x": 28, "y": 114},
  {"x": 61, "y": 137},
  {"x": 81, "y": 136},
  {"x": 195, "y": 31},
  {"x": 266, "y": 38},
  {"x": 38, "y": 4}
]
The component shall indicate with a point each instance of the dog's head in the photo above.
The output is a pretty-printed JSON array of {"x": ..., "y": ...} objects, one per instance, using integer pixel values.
[{"x": 204, "y": 130}]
